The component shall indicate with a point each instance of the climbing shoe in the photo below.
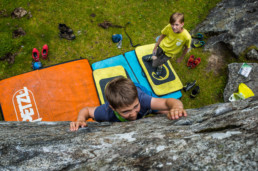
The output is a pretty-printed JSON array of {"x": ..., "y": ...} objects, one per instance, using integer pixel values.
[
  {"x": 198, "y": 44},
  {"x": 198, "y": 36},
  {"x": 44, "y": 51},
  {"x": 190, "y": 61},
  {"x": 159, "y": 70},
  {"x": 189, "y": 85},
  {"x": 147, "y": 58},
  {"x": 35, "y": 55},
  {"x": 196, "y": 62},
  {"x": 195, "y": 91}
]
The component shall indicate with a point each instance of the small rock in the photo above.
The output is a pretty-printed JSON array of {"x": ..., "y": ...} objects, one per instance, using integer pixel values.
[
  {"x": 19, "y": 12},
  {"x": 252, "y": 54}
]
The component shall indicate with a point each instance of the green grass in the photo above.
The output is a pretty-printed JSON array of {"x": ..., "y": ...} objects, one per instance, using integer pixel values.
[{"x": 147, "y": 17}]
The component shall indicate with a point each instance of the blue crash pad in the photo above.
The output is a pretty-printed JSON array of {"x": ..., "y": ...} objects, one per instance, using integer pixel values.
[{"x": 115, "y": 61}]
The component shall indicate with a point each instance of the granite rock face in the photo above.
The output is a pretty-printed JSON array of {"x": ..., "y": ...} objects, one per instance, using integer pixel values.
[
  {"x": 234, "y": 79},
  {"x": 216, "y": 137},
  {"x": 232, "y": 24}
]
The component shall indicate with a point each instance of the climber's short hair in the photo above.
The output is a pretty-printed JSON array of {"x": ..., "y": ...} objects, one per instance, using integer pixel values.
[{"x": 121, "y": 92}]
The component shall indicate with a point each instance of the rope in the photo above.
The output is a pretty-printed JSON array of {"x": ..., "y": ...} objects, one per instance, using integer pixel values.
[{"x": 131, "y": 42}]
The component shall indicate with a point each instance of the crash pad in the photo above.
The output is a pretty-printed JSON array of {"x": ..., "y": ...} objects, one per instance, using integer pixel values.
[
  {"x": 55, "y": 93},
  {"x": 167, "y": 82},
  {"x": 115, "y": 61},
  {"x": 141, "y": 77},
  {"x": 103, "y": 76}
]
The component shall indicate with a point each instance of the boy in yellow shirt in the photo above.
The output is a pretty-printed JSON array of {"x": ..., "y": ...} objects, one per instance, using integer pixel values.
[{"x": 174, "y": 38}]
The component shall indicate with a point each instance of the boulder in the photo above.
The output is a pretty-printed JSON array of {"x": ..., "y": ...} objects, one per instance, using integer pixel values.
[
  {"x": 233, "y": 25},
  {"x": 234, "y": 79},
  {"x": 217, "y": 137}
]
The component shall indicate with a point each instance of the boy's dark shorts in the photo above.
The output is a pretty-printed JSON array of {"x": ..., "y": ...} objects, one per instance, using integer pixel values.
[{"x": 161, "y": 58}]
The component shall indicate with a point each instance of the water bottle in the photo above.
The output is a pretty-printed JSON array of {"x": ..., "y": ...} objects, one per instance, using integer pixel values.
[{"x": 119, "y": 44}]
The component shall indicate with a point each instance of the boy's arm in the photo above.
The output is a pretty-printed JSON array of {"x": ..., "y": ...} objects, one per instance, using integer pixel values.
[
  {"x": 186, "y": 49},
  {"x": 162, "y": 36},
  {"x": 84, "y": 114},
  {"x": 172, "y": 107}
]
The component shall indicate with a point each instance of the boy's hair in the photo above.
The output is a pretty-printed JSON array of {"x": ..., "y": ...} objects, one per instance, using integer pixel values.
[
  {"x": 121, "y": 92},
  {"x": 176, "y": 16}
]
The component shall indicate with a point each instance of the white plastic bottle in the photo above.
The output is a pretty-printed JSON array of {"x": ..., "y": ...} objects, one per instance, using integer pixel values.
[{"x": 119, "y": 44}]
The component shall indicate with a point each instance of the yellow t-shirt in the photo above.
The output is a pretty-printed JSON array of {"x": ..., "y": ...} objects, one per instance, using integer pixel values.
[{"x": 173, "y": 43}]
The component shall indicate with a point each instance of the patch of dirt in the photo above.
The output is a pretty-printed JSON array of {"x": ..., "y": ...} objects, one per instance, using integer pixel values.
[
  {"x": 93, "y": 15},
  {"x": 215, "y": 63},
  {"x": 3, "y": 13},
  {"x": 221, "y": 52},
  {"x": 29, "y": 15},
  {"x": 9, "y": 57},
  {"x": 19, "y": 32}
]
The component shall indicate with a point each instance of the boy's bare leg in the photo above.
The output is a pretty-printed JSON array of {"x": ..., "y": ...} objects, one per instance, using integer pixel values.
[{"x": 154, "y": 57}]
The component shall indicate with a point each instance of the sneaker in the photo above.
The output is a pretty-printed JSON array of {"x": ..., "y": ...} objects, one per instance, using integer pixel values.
[
  {"x": 65, "y": 29},
  {"x": 147, "y": 58},
  {"x": 35, "y": 55},
  {"x": 159, "y": 70},
  {"x": 44, "y": 51},
  {"x": 195, "y": 91},
  {"x": 189, "y": 85}
]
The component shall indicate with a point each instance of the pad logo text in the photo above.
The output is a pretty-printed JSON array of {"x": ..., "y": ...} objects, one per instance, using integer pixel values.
[
  {"x": 25, "y": 106},
  {"x": 163, "y": 76}
]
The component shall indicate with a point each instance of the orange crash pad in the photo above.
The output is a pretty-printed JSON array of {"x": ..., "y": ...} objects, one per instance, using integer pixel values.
[{"x": 55, "y": 93}]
